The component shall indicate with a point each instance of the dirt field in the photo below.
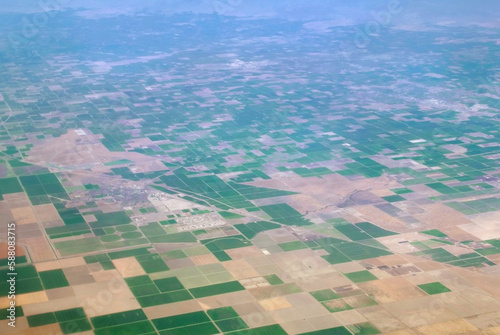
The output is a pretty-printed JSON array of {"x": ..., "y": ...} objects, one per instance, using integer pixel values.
[
  {"x": 128, "y": 267},
  {"x": 438, "y": 216},
  {"x": 23, "y": 215},
  {"x": 46, "y": 213},
  {"x": 391, "y": 290},
  {"x": 39, "y": 249},
  {"x": 204, "y": 259},
  {"x": 240, "y": 269},
  {"x": 274, "y": 303}
]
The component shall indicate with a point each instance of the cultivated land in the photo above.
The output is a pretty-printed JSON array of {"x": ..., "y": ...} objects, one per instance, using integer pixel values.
[{"x": 249, "y": 185}]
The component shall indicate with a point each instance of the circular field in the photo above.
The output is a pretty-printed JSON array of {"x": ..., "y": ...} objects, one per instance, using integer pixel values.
[
  {"x": 109, "y": 230},
  {"x": 131, "y": 235},
  {"x": 110, "y": 238}
]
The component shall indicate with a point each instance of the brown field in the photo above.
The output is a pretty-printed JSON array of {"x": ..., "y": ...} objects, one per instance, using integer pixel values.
[
  {"x": 72, "y": 149},
  {"x": 306, "y": 202},
  {"x": 60, "y": 293},
  {"x": 349, "y": 267},
  {"x": 173, "y": 309},
  {"x": 478, "y": 231},
  {"x": 23, "y": 215},
  {"x": 260, "y": 260},
  {"x": 420, "y": 278},
  {"x": 51, "y": 305},
  {"x": 281, "y": 235},
  {"x": 27, "y": 231},
  {"x": 358, "y": 301},
  {"x": 52, "y": 329},
  {"x": 46, "y": 213},
  {"x": 396, "y": 243},
  {"x": 253, "y": 314},
  {"x": 438, "y": 216},
  {"x": 245, "y": 252},
  {"x": 426, "y": 316},
  {"x": 72, "y": 261},
  {"x": 6, "y": 215},
  {"x": 391, "y": 290},
  {"x": 65, "y": 151},
  {"x": 382, "y": 192},
  {"x": 382, "y": 319},
  {"x": 4, "y": 249},
  {"x": 107, "y": 297},
  {"x": 481, "y": 300},
  {"x": 268, "y": 292},
  {"x": 89, "y": 218},
  {"x": 424, "y": 264},
  {"x": 25, "y": 299},
  {"x": 402, "y": 332},
  {"x": 458, "y": 234},
  {"x": 15, "y": 200},
  {"x": 323, "y": 321},
  {"x": 240, "y": 269},
  {"x": 289, "y": 263},
  {"x": 321, "y": 281},
  {"x": 487, "y": 220},
  {"x": 204, "y": 259},
  {"x": 297, "y": 327},
  {"x": 78, "y": 275},
  {"x": 39, "y": 249},
  {"x": 106, "y": 276},
  {"x": 349, "y": 317},
  {"x": 296, "y": 313},
  {"x": 315, "y": 192},
  {"x": 382, "y": 273},
  {"x": 227, "y": 299},
  {"x": 485, "y": 321},
  {"x": 128, "y": 267},
  {"x": 457, "y": 304},
  {"x": 46, "y": 266},
  {"x": 491, "y": 331},
  {"x": 21, "y": 326},
  {"x": 300, "y": 299},
  {"x": 254, "y": 282},
  {"x": 179, "y": 263},
  {"x": 380, "y": 218},
  {"x": 274, "y": 303}
]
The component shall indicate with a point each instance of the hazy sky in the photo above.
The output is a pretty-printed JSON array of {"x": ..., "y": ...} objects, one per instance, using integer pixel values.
[{"x": 338, "y": 12}]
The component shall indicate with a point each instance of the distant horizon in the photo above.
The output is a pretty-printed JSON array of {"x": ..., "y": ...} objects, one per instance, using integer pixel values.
[{"x": 448, "y": 12}]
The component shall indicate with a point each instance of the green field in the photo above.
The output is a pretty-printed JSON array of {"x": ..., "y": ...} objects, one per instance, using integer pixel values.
[
  {"x": 330, "y": 331},
  {"x": 110, "y": 219},
  {"x": 273, "y": 279},
  {"x": 324, "y": 295},
  {"x": 183, "y": 237},
  {"x": 293, "y": 245},
  {"x": 250, "y": 230},
  {"x": 41, "y": 319},
  {"x": 168, "y": 284},
  {"x": 434, "y": 288},
  {"x": 164, "y": 298},
  {"x": 141, "y": 327},
  {"x": 115, "y": 319},
  {"x": 360, "y": 276},
  {"x": 181, "y": 320},
  {"x": 206, "y": 291},
  {"x": 53, "y": 279}
]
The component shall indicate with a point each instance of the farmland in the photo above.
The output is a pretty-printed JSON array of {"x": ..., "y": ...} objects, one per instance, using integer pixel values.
[{"x": 257, "y": 188}]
